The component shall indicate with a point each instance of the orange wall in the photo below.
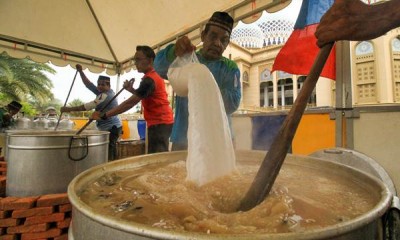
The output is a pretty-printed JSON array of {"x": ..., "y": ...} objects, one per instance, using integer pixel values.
[
  {"x": 315, "y": 132},
  {"x": 79, "y": 123}
]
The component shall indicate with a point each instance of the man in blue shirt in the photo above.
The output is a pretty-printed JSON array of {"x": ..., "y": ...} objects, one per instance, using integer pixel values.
[
  {"x": 215, "y": 38},
  {"x": 104, "y": 94}
]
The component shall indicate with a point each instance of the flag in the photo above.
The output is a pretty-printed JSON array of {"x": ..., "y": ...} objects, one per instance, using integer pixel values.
[{"x": 299, "y": 52}]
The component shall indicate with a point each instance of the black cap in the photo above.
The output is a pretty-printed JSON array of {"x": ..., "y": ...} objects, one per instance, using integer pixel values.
[
  {"x": 15, "y": 105},
  {"x": 222, "y": 20},
  {"x": 103, "y": 78}
]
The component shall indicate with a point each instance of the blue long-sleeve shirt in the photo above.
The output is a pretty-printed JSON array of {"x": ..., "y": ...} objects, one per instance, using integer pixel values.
[
  {"x": 227, "y": 76},
  {"x": 105, "y": 125}
]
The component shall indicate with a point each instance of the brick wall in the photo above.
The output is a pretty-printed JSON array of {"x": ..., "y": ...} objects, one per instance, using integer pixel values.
[
  {"x": 43, "y": 217},
  {"x": 3, "y": 172},
  {"x": 38, "y": 217}
]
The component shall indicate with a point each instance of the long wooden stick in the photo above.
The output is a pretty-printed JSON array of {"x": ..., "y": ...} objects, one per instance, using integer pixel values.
[{"x": 273, "y": 161}]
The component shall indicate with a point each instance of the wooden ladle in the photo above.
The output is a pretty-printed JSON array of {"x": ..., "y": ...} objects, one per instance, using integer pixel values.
[{"x": 273, "y": 161}]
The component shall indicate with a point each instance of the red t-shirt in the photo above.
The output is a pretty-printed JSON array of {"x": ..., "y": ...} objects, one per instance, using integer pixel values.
[{"x": 156, "y": 106}]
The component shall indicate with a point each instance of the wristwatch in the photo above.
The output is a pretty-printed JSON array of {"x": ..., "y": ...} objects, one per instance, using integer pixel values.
[{"x": 103, "y": 116}]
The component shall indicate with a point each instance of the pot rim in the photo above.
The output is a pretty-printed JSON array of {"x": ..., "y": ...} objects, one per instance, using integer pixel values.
[
  {"x": 145, "y": 230},
  {"x": 51, "y": 133}
]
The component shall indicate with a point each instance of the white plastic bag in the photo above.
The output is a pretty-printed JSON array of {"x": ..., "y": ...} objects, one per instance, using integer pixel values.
[
  {"x": 210, "y": 148},
  {"x": 179, "y": 73}
]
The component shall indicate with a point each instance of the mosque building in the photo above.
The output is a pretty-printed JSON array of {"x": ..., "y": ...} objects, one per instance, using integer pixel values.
[
  {"x": 375, "y": 67},
  {"x": 359, "y": 110}
]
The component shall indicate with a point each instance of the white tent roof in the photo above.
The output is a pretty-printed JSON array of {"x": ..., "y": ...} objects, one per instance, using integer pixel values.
[{"x": 103, "y": 34}]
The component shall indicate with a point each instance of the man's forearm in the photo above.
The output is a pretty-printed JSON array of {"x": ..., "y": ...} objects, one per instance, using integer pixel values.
[
  {"x": 77, "y": 108},
  {"x": 124, "y": 106},
  {"x": 85, "y": 80}
]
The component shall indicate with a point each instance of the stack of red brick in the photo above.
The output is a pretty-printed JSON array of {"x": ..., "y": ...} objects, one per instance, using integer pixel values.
[
  {"x": 27, "y": 218},
  {"x": 3, "y": 172},
  {"x": 43, "y": 217}
]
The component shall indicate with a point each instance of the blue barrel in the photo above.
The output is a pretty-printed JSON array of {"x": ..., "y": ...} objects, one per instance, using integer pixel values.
[{"x": 141, "y": 126}]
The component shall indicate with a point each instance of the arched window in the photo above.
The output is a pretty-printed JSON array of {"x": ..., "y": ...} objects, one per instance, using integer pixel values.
[
  {"x": 265, "y": 76},
  {"x": 266, "y": 89},
  {"x": 285, "y": 88},
  {"x": 365, "y": 75},
  {"x": 396, "y": 68},
  {"x": 266, "y": 94},
  {"x": 245, "y": 77},
  {"x": 313, "y": 98},
  {"x": 364, "y": 48}
]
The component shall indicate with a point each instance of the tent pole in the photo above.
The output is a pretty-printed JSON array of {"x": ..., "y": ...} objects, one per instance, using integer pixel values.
[{"x": 344, "y": 111}]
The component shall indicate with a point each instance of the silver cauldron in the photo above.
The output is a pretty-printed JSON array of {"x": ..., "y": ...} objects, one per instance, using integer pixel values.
[
  {"x": 44, "y": 162},
  {"x": 87, "y": 223}
]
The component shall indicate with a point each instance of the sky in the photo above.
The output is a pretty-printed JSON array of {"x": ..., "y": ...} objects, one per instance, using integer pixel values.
[{"x": 64, "y": 76}]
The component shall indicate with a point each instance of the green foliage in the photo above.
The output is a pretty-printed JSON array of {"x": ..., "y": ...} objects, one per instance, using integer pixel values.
[
  {"x": 75, "y": 103},
  {"x": 28, "y": 110},
  {"x": 78, "y": 102},
  {"x": 41, "y": 107},
  {"x": 24, "y": 81}
]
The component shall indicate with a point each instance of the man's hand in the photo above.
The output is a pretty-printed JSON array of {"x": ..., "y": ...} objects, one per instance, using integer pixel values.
[
  {"x": 79, "y": 67},
  {"x": 183, "y": 46},
  {"x": 96, "y": 115},
  {"x": 128, "y": 85},
  {"x": 354, "y": 21}
]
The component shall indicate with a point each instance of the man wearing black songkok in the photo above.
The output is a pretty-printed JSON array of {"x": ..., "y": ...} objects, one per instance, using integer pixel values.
[
  {"x": 215, "y": 38},
  {"x": 6, "y": 114}
]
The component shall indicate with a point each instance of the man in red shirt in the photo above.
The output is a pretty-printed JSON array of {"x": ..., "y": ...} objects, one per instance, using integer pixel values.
[{"x": 157, "y": 111}]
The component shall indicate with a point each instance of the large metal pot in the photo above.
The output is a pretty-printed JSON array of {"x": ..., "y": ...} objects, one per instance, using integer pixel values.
[
  {"x": 87, "y": 223},
  {"x": 44, "y": 162}
]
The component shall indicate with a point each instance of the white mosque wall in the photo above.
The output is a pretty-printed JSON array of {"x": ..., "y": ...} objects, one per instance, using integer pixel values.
[
  {"x": 324, "y": 92},
  {"x": 242, "y": 130},
  {"x": 252, "y": 88},
  {"x": 376, "y": 134}
]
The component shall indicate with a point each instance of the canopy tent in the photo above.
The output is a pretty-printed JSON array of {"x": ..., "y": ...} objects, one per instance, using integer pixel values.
[{"x": 103, "y": 34}]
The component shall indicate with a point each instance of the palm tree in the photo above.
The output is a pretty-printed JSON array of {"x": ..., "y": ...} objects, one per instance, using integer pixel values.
[
  {"x": 24, "y": 80},
  {"x": 78, "y": 102}
]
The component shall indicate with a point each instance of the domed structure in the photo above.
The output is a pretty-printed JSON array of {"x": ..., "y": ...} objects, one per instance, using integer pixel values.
[
  {"x": 270, "y": 29},
  {"x": 276, "y": 32},
  {"x": 247, "y": 35}
]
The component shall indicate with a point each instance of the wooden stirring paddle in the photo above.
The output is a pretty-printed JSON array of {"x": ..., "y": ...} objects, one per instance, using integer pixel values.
[{"x": 273, "y": 161}]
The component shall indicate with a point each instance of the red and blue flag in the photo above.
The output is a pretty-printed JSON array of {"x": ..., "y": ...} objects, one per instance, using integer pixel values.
[{"x": 299, "y": 52}]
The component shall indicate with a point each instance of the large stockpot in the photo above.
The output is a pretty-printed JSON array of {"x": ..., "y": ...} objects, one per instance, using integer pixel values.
[
  {"x": 45, "y": 162},
  {"x": 87, "y": 223}
]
